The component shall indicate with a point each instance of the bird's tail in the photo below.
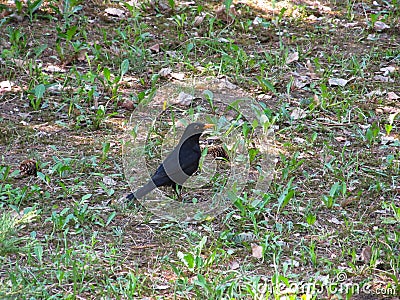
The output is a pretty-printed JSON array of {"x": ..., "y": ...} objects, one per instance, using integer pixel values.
[
  {"x": 131, "y": 197},
  {"x": 143, "y": 191}
]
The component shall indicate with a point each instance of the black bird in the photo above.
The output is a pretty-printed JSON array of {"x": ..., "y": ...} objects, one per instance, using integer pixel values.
[{"x": 179, "y": 165}]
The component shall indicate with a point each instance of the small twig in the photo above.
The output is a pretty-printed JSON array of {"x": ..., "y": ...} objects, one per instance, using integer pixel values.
[{"x": 143, "y": 247}]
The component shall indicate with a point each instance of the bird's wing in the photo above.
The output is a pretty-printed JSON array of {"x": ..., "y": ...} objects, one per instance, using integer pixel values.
[{"x": 178, "y": 170}]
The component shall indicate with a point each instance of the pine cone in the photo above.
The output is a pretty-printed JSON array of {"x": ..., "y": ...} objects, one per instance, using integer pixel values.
[
  {"x": 28, "y": 167},
  {"x": 218, "y": 152}
]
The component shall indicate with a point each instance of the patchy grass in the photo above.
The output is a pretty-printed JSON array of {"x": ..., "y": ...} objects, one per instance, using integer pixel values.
[{"x": 326, "y": 73}]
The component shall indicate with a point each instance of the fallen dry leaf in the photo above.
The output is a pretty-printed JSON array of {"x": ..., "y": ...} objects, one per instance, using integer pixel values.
[
  {"x": 226, "y": 84},
  {"x": 310, "y": 67},
  {"x": 18, "y": 62},
  {"x": 54, "y": 69},
  {"x": 164, "y": 72},
  {"x": 108, "y": 180},
  {"x": 161, "y": 287},
  {"x": 55, "y": 89},
  {"x": 256, "y": 250},
  {"x": 157, "y": 6},
  {"x": 393, "y": 116},
  {"x": 340, "y": 138},
  {"x": 183, "y": 99},
  {"x": 199, "y": 19},
  {"x": 298, "y": 113},
  {"x": 128, "y": 105},
  {"x": 292, "y": 262},
  {"x": 379, "y": 26},
  {"x": 311, "y": 71},
  {"x": 374, "y": 93},
  {"x": 337, "y": 82},
  {"x": 81, "y": 56},
  {"x": 387, "y": 70},
  {"x": 245, "y": 237},
  {"x": 17, "y": 17},
  {"x": 5, "y": 86},
  {"x": 392, "y": 96},
  {"x": 133, "y": 3},
  {"x": 4, "y": 14},
  {"x": 316, "y": 99},
  {"x": 366, "y": 254},
  {"x": 390, "y": 110},
  {"x": 346, "y": 202},
  {"x": 234, "y": 265},
  {"x": 257, "y": 21},
  {"x": 155, "y": 48},
  {"x": 116, "y": 12},
  {"x": 294, "y": 56},
  {"x": 222, "y": 14},
  {"x": 178, "y": 76},
  {"x": 299, "y": 140},
  {"x": 164, "y": 7},
  {"x": 383, "y": 78},
  {"x": 301, "y": 81},
  {"x": 335, "y": 221},
  {"x": 387, "y": 140},
  {"x": 352, "y": 24}
]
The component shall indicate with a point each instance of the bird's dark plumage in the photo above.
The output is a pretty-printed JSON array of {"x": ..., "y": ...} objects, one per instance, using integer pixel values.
[{"x": 179, "y": 165}]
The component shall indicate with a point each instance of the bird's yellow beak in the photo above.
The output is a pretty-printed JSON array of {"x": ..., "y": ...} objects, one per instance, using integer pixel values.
[{"x": 206, "y": 126}]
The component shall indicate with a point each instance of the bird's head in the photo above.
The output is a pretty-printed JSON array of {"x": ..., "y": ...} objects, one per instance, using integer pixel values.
[{"x": 195, "y": 129}]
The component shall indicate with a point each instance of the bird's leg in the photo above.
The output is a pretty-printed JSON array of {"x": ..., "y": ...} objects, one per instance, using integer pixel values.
[{"x": 178, "y": 191}]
